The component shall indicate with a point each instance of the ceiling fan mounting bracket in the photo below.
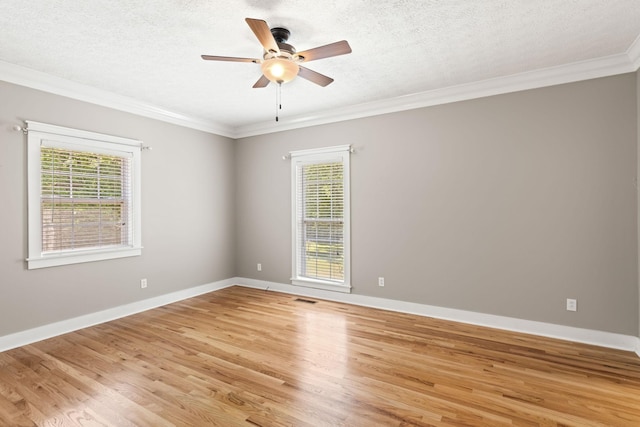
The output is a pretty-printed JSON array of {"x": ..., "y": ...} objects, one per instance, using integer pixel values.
[{"x": 280, "y": 34}]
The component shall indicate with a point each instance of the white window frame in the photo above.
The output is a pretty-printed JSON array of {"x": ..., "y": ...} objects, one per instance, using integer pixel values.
[
  {"x": 313, "y": 156},
  {"x": 39, "y": 134}
]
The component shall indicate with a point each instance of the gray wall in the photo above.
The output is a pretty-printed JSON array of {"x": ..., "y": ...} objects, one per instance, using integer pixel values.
[
  {"x": 505, "y": 205},
  {"x": 187, "y": 206}
]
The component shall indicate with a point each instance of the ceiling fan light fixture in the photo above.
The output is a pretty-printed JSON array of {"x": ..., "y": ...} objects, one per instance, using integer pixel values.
[{"x": 279, "y": 70}]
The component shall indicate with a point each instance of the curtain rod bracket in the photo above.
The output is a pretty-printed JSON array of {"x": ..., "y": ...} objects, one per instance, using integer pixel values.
[{"x": 18, "y": 128}]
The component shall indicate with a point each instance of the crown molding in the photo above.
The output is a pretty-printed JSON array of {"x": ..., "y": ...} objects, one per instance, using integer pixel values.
[
  {"x": 33, "y": 79},
  {"x": 634, "y": 53},
  {"x": 584, "y": 70}
]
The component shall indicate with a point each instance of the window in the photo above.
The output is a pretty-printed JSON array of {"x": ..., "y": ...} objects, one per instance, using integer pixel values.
[
  {"x": 320, "y": 193},
  {"x": 84, "y": 196}
]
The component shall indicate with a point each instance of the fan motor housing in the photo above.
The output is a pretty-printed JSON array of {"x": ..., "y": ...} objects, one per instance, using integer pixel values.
[{"x": 286, "y": 47}]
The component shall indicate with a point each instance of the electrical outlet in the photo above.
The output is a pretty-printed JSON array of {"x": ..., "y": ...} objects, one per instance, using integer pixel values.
[
  {"x": 259, "y": 267},
  {"x": 143, "y": 283},
  {"x": 380, "y": 281},
  {"x": 572, "y": 304}
]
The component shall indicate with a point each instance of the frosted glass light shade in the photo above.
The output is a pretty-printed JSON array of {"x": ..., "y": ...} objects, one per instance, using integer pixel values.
[{"x": 279, "y": 70}]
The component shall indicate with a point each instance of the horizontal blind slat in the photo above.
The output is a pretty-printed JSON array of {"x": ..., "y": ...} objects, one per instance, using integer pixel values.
[
  {"x": 85, "y": 200},
  {"x": 320, "y": 201}
]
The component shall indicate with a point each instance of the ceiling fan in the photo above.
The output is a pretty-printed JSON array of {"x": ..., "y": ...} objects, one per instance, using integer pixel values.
[{"x": 280, "y": 62}]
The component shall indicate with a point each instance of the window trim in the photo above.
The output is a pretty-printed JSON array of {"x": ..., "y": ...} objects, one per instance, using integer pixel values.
[
  {"x": 39, "y": 134},
  {"x": 319, "y": 155}
]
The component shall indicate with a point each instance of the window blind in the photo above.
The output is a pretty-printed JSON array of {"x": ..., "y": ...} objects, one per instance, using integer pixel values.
[
  {"x": 320, "y": 221},
  {"x": 85, "y": 200}
]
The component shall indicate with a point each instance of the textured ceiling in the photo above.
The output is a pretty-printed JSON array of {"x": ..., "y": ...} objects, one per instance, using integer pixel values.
[{"x": 149, "y": 50}]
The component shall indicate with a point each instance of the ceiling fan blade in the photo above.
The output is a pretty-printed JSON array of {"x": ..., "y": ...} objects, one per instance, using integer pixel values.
[
  {"x": 315, "y": 77},
  {"x": 229, "y": 58},
  {"x": 263, "y": 33},
  {"x": 333, "y": 49},
  {"x": 262, "y": 82}
]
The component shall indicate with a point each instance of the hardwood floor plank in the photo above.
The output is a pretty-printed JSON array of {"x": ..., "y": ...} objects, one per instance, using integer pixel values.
[{"x": 246, "y": 357}]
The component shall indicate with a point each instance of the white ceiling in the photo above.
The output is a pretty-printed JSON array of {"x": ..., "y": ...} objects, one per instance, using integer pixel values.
[{"x": 144, "y": 55}]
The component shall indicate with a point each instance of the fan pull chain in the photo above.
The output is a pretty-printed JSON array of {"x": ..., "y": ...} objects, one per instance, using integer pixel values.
[{"x": 278, "y": 99}]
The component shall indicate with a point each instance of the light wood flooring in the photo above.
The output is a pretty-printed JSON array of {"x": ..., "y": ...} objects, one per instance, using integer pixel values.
[{"x": 247, "y": 357}]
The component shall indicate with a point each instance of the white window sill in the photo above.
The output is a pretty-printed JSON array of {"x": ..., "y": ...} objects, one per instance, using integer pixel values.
[
  {"x": 321, "y": 284},
  {"x": 53, "y": 260}
]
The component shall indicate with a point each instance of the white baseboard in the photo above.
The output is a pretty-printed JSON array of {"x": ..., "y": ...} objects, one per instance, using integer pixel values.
[
  {"x": 569, "y": 333},
  {"x": 600, "y": 338},
  {"x": 30, "y": 336}
]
